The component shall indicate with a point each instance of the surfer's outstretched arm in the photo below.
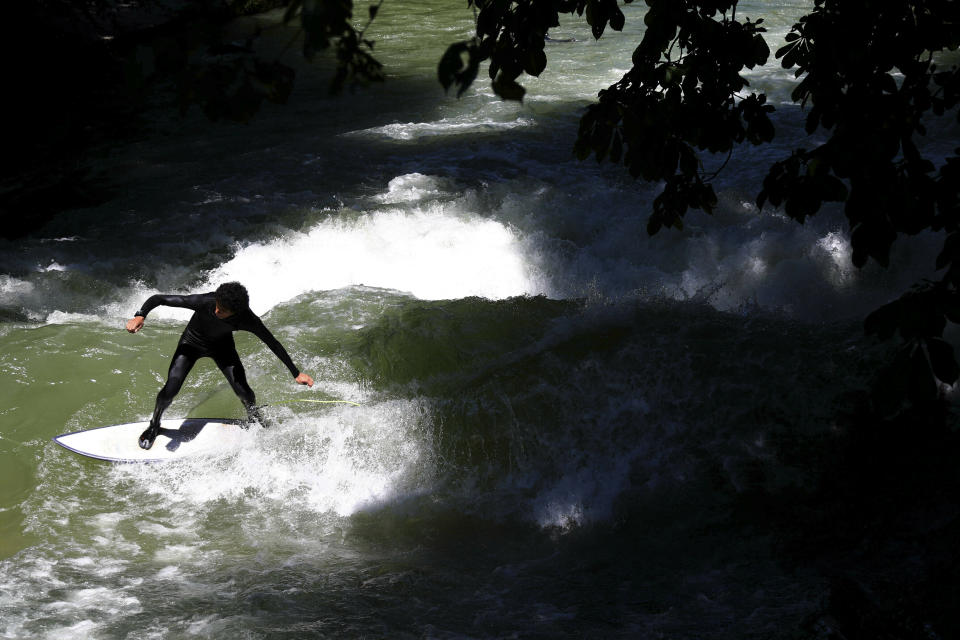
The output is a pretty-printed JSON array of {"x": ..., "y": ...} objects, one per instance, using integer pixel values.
[
  {"x": 256, "y": 327},
  {"x": 194, "y": 301}
]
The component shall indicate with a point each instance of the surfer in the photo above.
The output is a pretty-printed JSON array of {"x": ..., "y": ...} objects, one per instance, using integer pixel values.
[{"x": 210, "y": 334}]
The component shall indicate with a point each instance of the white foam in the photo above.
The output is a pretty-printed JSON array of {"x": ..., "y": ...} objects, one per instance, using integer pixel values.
[
  {"x": 445, "y": 126},
  {"x": 432, "y": 252},
  {"x": 581, "y": 496},
  {"x": 82, "y": 629},
  {"x": 335, "y": 461},
  {"x": 560, "y": 514},
  {"x": 64, "y": 239},
  {"x": 411, "y": 187},
  {"x": 63, "y": 317},
  {"x": 205, "y": 626},
  {"x": 10, "y": 286},
  {"x": 835, "y": 252},
  {"x": 53, "y": 266},
  {"x": 174, "y": 553},
  {"x": 94, "y": 599},
  {"x": 423, "y": 242},
  {"x": 107, "y": 522},
  {"x": 170, "y": 572}
]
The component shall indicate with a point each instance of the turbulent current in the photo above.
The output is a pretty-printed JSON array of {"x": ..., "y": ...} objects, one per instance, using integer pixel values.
[{"x": 557, "y": 414}]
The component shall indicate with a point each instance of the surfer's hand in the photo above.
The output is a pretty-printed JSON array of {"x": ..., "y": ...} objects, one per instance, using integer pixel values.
[
  {"x": 135, "y": 324},
  {"x": 304, "y": 378}
]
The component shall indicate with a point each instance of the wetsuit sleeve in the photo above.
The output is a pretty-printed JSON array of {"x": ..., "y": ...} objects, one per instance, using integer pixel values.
[
  {"x": 257, "y": 328},
  {"x": 189, "y": 302}
]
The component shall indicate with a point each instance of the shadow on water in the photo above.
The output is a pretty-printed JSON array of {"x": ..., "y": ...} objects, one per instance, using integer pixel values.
[{"x": 713, "y": 496}]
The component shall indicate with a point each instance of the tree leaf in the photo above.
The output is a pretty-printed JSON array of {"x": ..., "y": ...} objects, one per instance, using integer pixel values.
[
  {"x": 943, "y": 360},
  {"x": 616, "y": 147},
  {"x": 508, "y": 88},
  {"x": 761, "y": 51},
  {"x": 454, "y": 70},
  {"x": 451, "y": 63},
  {"x": 890, "y": 387},
  {"x": 950, "y": 252},
  {"x": 535, "y": 62},
  {"x": 617, "y": 20},
  {"x": 292, "y": 10},
  {"x": 921, "y": 382},
  {"x": 883, "y": 322}
]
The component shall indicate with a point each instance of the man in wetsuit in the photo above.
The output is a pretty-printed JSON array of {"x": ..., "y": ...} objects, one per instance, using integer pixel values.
[{"x": 210, "y": 334}]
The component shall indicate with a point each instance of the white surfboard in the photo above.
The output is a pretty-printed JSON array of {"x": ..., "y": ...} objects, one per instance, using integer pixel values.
[{"x": 177, "y": 438}]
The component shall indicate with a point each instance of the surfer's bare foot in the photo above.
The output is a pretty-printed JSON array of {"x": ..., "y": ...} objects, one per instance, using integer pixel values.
[{"x": 148, "y": 436}]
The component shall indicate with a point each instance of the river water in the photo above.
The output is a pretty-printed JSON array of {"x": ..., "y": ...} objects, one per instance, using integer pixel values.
[{"x": 556, "y": 412}]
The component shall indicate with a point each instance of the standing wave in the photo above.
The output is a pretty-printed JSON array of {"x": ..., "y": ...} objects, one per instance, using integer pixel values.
[{"x": 566, "y": 413}]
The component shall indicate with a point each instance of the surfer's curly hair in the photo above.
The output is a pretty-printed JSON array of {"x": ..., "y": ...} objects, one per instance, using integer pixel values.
[{"x": 232, "y": 296}]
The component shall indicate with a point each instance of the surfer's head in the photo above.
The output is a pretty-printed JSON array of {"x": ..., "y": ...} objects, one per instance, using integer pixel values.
[{"x": 231, "y": 298}]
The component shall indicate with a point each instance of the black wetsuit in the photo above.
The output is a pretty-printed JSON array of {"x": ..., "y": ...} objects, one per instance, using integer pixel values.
[{"x": 207, "y": 335}]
